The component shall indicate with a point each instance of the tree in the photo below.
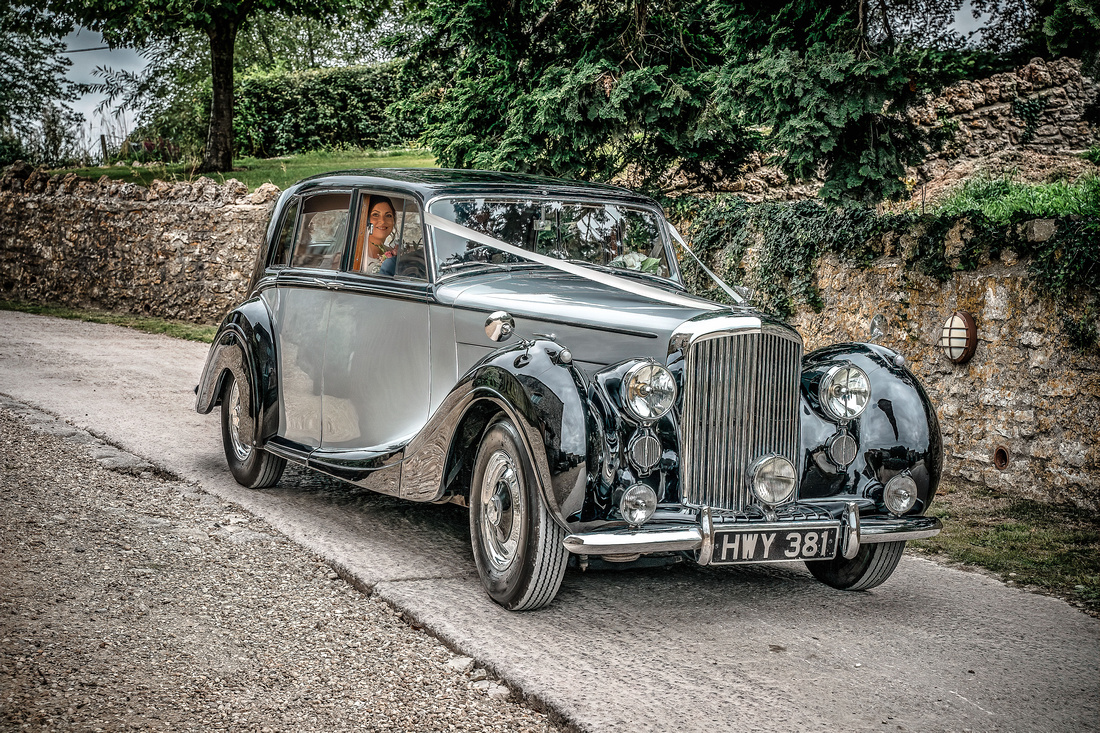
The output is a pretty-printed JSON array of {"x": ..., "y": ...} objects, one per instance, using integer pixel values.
[
  {"x": 602, "y": 88},
  {"x": 32, "y": 69},
  {"x": 141, "y": 22}
]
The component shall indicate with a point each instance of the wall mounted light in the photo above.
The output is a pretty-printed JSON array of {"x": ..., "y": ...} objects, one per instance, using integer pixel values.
[{"x": 959, "y": 337}]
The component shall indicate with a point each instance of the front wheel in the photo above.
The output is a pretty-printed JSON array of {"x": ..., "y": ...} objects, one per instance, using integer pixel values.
[
  {"x": 871, "y": 566},
  {"x": 518, "y": 548},
  {"x": 252, "y": 467}
]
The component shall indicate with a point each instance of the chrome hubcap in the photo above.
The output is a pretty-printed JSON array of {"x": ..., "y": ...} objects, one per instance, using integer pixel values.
[
  {"x": 501, "y": 510},
  {"x": 240, "y": 450}
]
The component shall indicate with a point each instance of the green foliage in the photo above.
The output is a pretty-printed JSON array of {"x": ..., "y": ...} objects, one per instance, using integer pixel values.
[
  {"x": 1004, "y": 200},
  {"x": 11, "y": 149},
  {"x": 789, "y": 238},
  {"x": 831, "y": 111},
  {"x": 282, "y": 172},
  {"x": 279, "y": 113},
  {"x": 176, "y": 329},
  {"x": 1051, "y": 546},
  {"x": 580, "y": 90},
  {"x": 33, "y": 70},
  {"x": 1092, "y": 155},
  {"x": 672, "y": 93},
  {"x": 140, "y": 22},
  {"x": 1031, "y": 112}
]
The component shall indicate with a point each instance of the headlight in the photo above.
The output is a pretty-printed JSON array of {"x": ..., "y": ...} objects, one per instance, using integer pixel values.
[
  {"x": 900, "y": 494},
  {"x": 773, "y": 480},
  {"x": 649, "y": 391},
  {"x": 638, "y": 504},
  {"x": 845, "y": 392}
]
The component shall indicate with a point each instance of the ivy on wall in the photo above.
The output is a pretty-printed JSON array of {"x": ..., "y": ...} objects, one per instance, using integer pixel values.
[{"x": 784, "y": 242}]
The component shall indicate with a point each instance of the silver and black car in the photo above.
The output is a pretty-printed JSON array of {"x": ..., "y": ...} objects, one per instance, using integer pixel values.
[{"x": 526, "y": 347}]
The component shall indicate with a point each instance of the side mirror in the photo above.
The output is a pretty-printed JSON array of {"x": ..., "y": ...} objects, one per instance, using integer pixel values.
[{"x": 499, "y": 326}]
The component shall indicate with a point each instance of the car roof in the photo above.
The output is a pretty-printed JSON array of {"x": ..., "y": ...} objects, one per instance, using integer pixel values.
[{"x": 432, "y": 182}]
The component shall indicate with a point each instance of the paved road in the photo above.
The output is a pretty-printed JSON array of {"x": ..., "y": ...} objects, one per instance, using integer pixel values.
[{"x": 680, "y": 649}]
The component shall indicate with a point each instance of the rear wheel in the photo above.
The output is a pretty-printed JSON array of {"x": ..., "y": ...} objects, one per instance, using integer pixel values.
[
  {"x": 869, "y": 568},
  {"x": 252, "y": 467},
  {"x": 518, "y": 548}
]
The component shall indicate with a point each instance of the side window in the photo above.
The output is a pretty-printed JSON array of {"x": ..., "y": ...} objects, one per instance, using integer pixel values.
[
  {"x": 389, "y": 239},
  {"x": 285, "y": 244},
  {"x": 322, "y": 231}
]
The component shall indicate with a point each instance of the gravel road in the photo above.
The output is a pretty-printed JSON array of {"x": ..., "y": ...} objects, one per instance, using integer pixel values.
[{"x": 130, "y": 601}]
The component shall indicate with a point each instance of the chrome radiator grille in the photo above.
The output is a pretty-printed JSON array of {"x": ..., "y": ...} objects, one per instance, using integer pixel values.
[{"x": 740, "y": 402}]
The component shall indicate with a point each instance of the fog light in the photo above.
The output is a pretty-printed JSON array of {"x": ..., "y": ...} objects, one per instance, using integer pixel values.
[
  {"x": 900, "y": 494},
  {"x": 773, "y": 480},
  {"x": 638, "y": 504}
]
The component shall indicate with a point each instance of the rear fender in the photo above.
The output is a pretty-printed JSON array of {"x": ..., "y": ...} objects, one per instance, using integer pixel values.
[{"x": 244, "y": 346}]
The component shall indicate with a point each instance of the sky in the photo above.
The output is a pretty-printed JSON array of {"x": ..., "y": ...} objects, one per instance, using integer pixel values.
[{"x": 85, "y": 62}]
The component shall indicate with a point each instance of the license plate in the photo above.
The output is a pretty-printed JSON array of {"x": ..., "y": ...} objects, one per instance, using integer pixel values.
[{"x": 773, "y": 543}]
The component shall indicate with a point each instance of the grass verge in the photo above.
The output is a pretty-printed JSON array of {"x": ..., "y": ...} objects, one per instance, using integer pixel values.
[
  {"x": 254, "y": 172},
  {"x": 177, "y": 329},
  {"x": 1053, "y": 548}
]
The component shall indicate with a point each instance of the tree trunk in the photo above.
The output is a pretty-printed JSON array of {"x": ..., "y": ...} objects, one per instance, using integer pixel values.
[{"x": 218, "y": 155}]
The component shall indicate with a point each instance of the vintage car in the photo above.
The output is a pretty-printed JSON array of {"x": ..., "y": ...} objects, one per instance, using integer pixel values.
[{"x": 526, "y": 347}]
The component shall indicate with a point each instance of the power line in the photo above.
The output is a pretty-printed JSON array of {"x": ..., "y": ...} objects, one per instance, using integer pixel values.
[{"x": 80, "y": 50}]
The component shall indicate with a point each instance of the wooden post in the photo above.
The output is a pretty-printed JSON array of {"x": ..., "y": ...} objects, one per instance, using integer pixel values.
[{"x": 103, "y": 147}]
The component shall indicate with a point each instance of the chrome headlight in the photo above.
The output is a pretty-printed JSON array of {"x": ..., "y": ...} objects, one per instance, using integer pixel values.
[
  {"x": 845, "y": 392},
  {"x": 649, "y": 391},
  {"x": 638, "y": 504},
  {"x": 900, "y": 494},
  {"x": 773, "y": 480}
]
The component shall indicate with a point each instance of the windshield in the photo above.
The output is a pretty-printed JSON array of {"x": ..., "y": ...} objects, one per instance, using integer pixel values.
[{"x": 607, "y": 235}]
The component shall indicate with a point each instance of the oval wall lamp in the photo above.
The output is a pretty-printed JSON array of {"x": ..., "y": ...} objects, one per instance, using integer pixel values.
[{"x": 959, "y": 337}]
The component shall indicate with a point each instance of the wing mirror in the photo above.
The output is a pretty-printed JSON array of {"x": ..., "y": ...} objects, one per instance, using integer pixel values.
[{"x": 499, "y": 326}]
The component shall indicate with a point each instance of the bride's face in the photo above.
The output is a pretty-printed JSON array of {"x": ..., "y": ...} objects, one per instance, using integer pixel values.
[{"x": 381, "y": 220}]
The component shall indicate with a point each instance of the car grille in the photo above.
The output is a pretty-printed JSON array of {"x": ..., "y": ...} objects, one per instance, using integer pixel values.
[{"x": 740, "y": 403}]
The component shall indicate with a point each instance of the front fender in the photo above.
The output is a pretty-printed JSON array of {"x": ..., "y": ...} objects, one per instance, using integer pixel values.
[
  {"x": 544, "y": 397},
  {"x": 897, "y": 432},
  {"x": 245, "y": 347}
]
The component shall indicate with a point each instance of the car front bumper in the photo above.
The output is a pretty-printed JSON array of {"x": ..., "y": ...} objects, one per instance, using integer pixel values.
[{"x": 698, "y": 536}]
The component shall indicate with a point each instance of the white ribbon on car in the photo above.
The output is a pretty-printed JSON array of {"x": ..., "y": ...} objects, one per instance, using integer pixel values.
[{"x": 614, "y": 281}]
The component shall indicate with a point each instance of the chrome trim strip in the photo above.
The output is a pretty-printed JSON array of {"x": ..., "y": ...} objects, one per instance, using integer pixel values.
[
  {"x": 556, "y": 321},
  {"x": 897, "y": 529},
  {"x": 621, "y": 542}
]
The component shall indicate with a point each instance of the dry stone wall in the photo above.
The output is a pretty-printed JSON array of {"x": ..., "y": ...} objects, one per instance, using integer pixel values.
[
  {"x": 182, "y": 250},
  {"x": 1025, "y": 390},
  {"x": 990, "y": 118}
]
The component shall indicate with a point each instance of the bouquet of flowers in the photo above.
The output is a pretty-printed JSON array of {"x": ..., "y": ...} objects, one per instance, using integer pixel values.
[{"x": 637, "y": 261}]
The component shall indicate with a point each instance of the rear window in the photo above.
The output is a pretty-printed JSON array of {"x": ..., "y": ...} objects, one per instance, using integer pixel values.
[{"x": 322, "y": 231}]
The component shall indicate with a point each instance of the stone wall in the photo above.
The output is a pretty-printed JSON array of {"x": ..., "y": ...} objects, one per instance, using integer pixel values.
[
  {"x": 989, "y": 121},
  {"x": 1024, "y": 390},
  {"x": 182, "y": 251}
]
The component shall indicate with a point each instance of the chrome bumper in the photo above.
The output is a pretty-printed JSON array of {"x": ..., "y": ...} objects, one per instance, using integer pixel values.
[{"x": 699, "y": 538}]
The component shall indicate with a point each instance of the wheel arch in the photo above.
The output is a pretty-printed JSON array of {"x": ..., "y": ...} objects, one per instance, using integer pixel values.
[
  {"x": 544, "y": 400},
  {"x": 245, "y": 347}
]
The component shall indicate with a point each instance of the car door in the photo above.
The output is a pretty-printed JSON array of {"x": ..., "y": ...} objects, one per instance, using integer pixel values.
[
  {"x": 376, "y": 379},
  {"x": 308, "y": 261}
]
